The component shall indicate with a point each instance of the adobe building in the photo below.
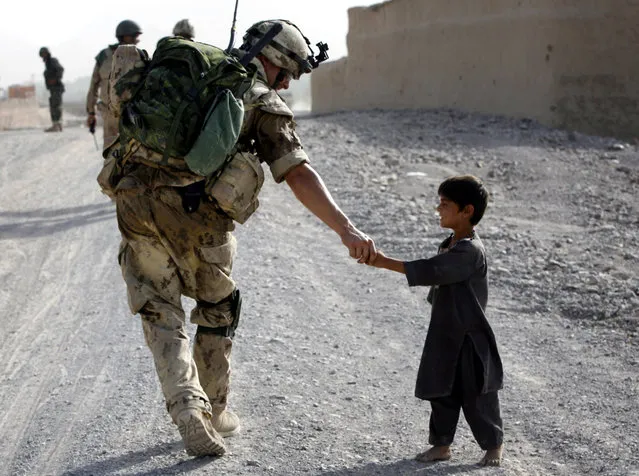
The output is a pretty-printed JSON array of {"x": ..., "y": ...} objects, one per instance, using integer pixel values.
[{"x": 567, "y": 63}]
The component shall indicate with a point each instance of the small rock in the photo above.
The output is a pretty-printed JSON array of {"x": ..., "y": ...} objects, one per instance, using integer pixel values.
[{"x": 617, "y": 146}]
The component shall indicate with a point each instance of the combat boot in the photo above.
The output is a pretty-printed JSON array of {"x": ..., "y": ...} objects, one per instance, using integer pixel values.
[
  {"x": 226, "y": 423},
  {"x": 198, "y": 434},
  {"x": 56, "y": 127}
]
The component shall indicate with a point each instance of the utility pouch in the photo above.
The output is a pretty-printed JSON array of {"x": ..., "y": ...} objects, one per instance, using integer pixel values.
[
  {"x": 112, "y": 169},
  {"x": 236, "y": 188}
]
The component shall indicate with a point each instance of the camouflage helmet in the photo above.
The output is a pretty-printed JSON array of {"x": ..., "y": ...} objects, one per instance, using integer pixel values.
[
  {"x": 184, "y": 28},
  {"x": 44, "y": 51},
  {"x": 127, "y": 28},
  {"x": 288, "y": 50}
]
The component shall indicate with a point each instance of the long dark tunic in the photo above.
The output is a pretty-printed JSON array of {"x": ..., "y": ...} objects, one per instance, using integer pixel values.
[
  {"x": 459, "y": 293},
  {"x": 53, "y": 72}
]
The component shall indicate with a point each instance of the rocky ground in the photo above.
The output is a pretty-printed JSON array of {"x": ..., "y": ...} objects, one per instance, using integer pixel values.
[{"x": 327, "y": 351}]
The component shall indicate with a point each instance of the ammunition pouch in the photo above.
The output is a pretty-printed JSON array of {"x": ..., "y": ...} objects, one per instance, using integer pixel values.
[
  {"x": 236, "y": 186},
  {"x": 236, "y": 307}
]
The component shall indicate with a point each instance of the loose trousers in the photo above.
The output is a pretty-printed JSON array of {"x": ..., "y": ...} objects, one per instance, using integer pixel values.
[{"x": 480, "y": 410}]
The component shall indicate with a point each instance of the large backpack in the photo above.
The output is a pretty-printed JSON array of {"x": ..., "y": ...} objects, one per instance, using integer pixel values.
[
  {"x": 180, "y": 90},
  {"x": 186, "y": 102}
]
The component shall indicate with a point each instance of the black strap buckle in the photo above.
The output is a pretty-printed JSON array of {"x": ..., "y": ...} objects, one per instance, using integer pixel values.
[{"x": 192, "y": 196}]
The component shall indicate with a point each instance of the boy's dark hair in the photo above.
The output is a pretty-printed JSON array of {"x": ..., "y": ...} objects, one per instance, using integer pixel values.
[{"x": 466, "y": 190}]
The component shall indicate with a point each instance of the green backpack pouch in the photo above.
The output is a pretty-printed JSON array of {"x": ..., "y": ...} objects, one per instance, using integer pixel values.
[{"x": 217, "y": 138}]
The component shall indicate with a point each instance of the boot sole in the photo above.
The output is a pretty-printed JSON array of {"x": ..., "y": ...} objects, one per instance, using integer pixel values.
[{"x": 199, "y": 440}]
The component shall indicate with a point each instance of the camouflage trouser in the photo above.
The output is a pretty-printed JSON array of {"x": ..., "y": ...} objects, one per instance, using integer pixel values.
[
  {"x": 55, "y": 104},
  {"x": 166, "y": 253},
  {"x": 110, "y": 125}
]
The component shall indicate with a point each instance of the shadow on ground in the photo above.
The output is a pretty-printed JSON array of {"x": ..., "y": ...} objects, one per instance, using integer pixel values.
[
  {"x": 405, "y": 467},
  {"x": 128, "y": 463},
  {"x": 43, "y": 221}
]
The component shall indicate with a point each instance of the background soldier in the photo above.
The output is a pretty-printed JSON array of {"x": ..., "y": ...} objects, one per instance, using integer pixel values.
[
  {"x": 127, "y": 32},
  {"x": 53, "y": 80},
  {"x": 184, "y": 29}
]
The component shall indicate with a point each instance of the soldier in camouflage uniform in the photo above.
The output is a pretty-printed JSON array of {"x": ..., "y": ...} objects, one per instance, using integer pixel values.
[
  {"x": 167, "y": 253},
  {"x": 53, "y": 71},
  {"x": 127, "y": 32}
]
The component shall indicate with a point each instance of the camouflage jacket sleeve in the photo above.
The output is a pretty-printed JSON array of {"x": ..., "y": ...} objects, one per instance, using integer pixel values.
[
  {"x": 94, "y": 86},
  {"x": 269, "y": 131}
]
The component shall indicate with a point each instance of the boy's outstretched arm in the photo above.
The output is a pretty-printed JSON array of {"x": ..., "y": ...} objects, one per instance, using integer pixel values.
[
  {"x": 310, "y": 190},
  {"x": 383, "y": 261}
]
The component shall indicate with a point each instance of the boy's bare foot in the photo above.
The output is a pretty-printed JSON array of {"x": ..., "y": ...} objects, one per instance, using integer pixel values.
[
  {"x": 435, "y": 453},
  {"x": 492, "y": 457}
]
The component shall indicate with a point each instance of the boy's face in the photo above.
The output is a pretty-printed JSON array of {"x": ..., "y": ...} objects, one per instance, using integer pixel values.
[{"x": 450, "y": 216}]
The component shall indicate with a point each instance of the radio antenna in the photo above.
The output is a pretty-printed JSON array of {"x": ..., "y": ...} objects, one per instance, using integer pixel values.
[{"x": 231, "y": 41}]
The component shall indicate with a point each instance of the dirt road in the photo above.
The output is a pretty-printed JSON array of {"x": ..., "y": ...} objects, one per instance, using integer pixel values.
[{"x": 327, "y": 351}]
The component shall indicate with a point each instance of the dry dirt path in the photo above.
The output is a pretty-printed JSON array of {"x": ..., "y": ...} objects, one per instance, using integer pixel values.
[{"x": 327, "y": 351}]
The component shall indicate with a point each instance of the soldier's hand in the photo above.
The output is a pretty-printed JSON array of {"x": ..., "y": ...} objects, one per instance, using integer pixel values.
[
  {"x": 91, "y": 120},
  {"x": 360, "y": 245}
]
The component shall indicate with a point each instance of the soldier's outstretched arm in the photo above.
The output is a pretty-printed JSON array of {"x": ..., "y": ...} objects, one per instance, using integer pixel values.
[{"x": 310, "y": 190}]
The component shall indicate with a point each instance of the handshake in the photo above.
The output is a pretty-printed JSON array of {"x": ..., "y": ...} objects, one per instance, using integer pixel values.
[{"x": 362, "y": 248}]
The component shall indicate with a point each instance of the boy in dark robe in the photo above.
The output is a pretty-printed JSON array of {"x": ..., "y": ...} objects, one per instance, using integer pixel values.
[{"x": 460, "y": 367}]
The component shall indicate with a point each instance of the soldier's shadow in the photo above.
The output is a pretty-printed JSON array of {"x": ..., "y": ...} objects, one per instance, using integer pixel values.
[
  {"x": 405, "y": 467},
  {"x": 46, "y": 221},
  {"x": 126, "y": 463}
]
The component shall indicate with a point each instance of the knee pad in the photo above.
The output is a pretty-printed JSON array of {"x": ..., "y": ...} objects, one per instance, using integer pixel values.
[{"x": 235, "y": 299}]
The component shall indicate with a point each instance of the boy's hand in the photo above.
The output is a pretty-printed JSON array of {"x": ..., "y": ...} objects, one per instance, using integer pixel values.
[{"x": 377, "y": 261}]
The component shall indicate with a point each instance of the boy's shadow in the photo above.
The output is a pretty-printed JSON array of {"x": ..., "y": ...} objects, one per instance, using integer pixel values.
[{"x": 405, "y": 467}]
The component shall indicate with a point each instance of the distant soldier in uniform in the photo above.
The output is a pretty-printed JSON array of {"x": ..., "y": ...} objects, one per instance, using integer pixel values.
[
  {"x": 177, "y": 239},
  {"x": 184, "y": 29},
  {"x": 53, "y": 71},
  {"x": 127, "y": 32}
]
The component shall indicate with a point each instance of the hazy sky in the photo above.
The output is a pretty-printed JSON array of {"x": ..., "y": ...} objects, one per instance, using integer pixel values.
[{"x": 75, "y": 31}]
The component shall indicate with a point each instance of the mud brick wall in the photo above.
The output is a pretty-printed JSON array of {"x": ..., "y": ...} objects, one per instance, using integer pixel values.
[{"x": 567, "y": 63}]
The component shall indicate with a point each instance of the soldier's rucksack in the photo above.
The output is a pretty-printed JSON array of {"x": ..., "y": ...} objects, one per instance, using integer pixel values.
[
  {"x": 185, "y": 85},
  {"x": 187, "y": 101}
]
